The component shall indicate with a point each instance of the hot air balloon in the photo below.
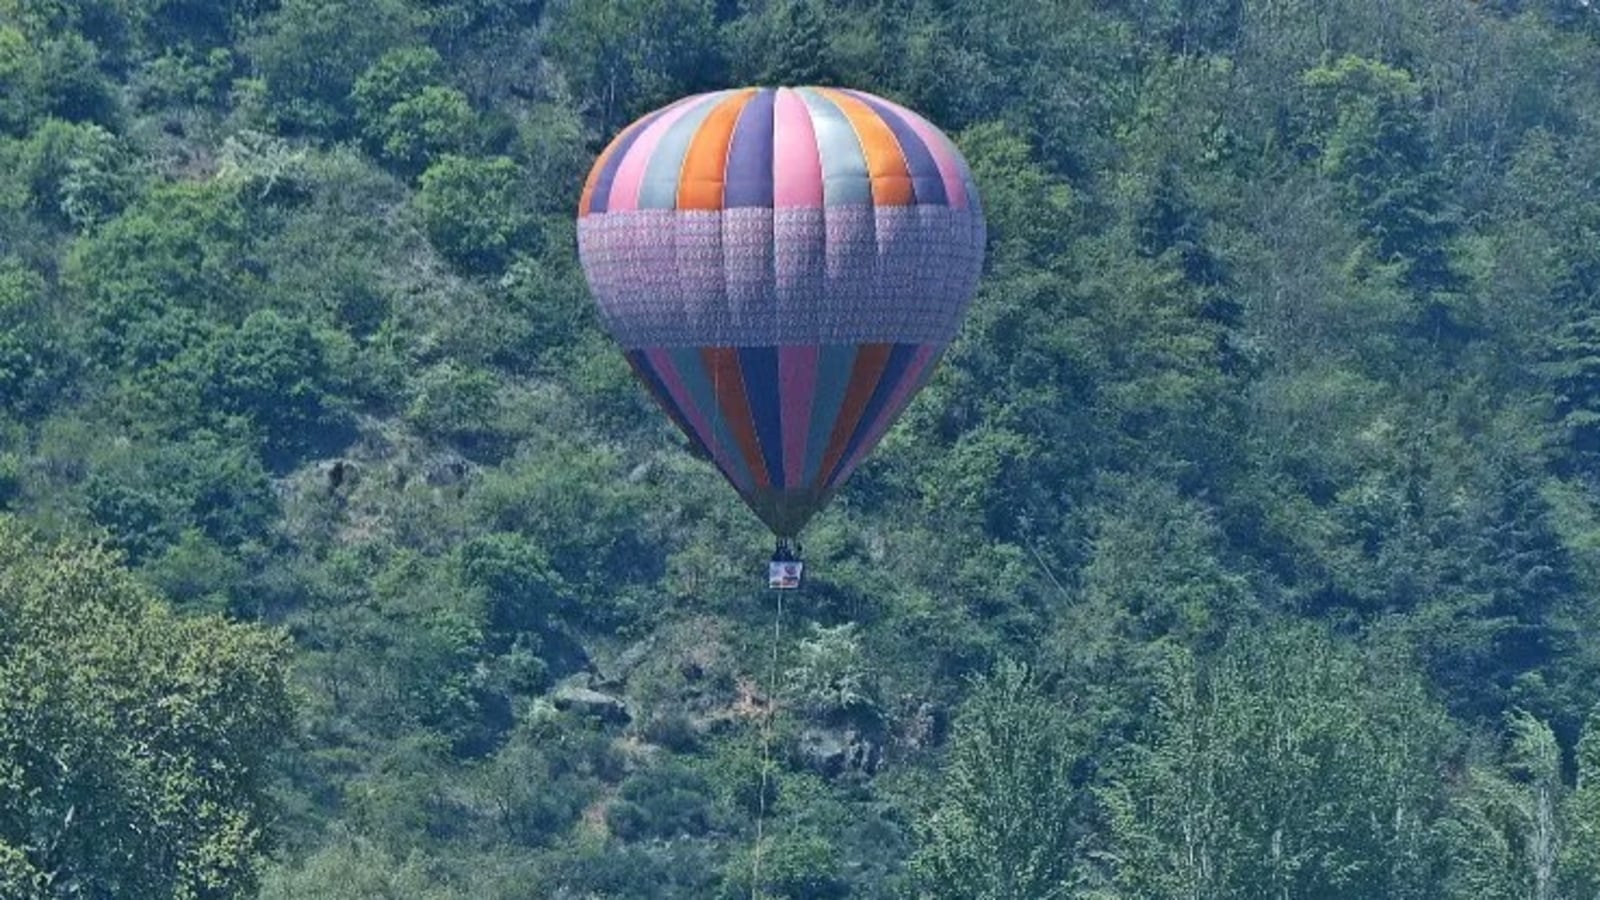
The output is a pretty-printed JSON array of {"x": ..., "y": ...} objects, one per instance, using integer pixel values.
[{"x": 783, "y": 268}]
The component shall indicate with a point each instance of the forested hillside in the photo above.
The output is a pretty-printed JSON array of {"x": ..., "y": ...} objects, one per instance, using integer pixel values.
[{"x": 1246, "y": 545}]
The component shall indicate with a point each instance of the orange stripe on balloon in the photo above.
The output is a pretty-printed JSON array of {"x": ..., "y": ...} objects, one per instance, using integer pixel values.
[
  {"x": 864, "y": 377},
  {"x": 886, "y": 162},
  {"x": 727, "y": 380},
  {"x": 705, "y": 168}
]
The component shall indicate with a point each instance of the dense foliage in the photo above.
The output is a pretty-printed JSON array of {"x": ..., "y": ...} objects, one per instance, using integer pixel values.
[
  {"x": 133, "y": 741},
  {"x": 1246, "y": 545}
]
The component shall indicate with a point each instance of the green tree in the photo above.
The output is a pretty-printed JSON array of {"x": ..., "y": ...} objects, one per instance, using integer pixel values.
[
  {"x": 78, "y": 174},
  {"x": 351, "y": 867},
  {"x": 830, "y": 675},
  {"x": 785, "y": 43},
  {"x": 407, "y": 116},
  {"x": 74, "y": 87},
  {"x": 456, "y": 403},
  {"x": 185, "y": 78},
  {"x": 181, "y": 246},
  {"x": 573, "y": 501},
  {"x": 473, "y": 212},
  {"x": 1374, "y": 143},
  {"x": 796, "y": 865},
  {"x": 1288, "y": 767},
  {"x": 275, "y": 371},
  {"x": 196, "y": 24},
  {"x": 397, "y": 76},
  {"x": 20, "y": 71},
  {"x": 420, "y": 129},
  {"x": 133, "y": 743},
  {"x": 32, "y": 354},
  {"x": 1580, "y": 816},
  {"x": 1003, "y": 827},
  {"x": 522, "y": 591},
  {"x": 310, "y": 54},
  {"x": 625, "y": 57},
  {"x": 1575, "y": 371},
  {"x": 1504, "y": 829},
  {"x": 662, "y": 802}
]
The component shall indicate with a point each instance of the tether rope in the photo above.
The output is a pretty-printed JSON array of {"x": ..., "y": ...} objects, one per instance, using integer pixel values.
[{"x": 766, "y": 749}]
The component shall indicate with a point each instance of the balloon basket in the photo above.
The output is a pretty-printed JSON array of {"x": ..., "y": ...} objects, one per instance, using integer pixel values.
[
  {"x": 785, "y": 576},
  {"x": 786, "y": 570}
]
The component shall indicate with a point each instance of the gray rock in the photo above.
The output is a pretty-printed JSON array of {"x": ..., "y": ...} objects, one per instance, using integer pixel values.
[
  {"x": 590, "y": 702},
  {"x": 831, "y": 752},
  {"x": 925, "y": 728},
  {"x": 617, "y": 671},
  {"x": 339, "y": 476},
  {"x": 823, "y": 751},
  {"x": 445, "y": 469}
]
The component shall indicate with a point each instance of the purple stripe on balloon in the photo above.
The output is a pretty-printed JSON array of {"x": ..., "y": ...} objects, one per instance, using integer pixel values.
[
  {"x": 796, "y": 161},
  {"x": 951, "y": 166},
  {"x": 630, "y": 175},
  {"x": 748, "y": 178},
  {"x": 763, "y": 393},
  {"x": 797, "y": 373},
  {"x": 915, "y": 376},
  {"x": 667, "y": 370},
  {"x": 927, "y": 182}
]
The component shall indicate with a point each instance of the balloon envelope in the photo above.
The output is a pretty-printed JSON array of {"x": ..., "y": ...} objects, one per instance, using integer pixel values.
[{"x": 783, "y": 268}]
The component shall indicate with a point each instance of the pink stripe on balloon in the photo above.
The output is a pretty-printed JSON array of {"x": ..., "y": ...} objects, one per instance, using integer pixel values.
[
  {"x": 910, "y": 381},
  {"x": 797, "y": 380},
  {"x": 667, "y": 371},
  {"x": 796, "y": 163},
  {"x": 630, "y": 175},
  {"x": 944, "y": 154}
]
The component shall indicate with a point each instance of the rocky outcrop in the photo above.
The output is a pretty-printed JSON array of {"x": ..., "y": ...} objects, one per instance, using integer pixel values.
[
  {"x": 616, "y": 672},
  {"x": 590, "y": 702},
  {"x": 446, "y": 469},
  {"x": 831, "y": 752}
]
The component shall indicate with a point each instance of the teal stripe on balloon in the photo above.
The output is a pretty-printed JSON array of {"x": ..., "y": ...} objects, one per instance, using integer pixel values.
[
  {"x": 660, "y": 187},
  {"x": 834, "y": 366},
  {"x": 845, "y": 179},
  {"x": 691, "y": 366}
]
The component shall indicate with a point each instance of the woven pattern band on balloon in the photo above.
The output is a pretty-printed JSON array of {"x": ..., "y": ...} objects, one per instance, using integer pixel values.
[{"x": 802, "y": 276}]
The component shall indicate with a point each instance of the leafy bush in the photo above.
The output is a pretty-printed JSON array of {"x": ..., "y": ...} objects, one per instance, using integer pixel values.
[
  {"x": 523, "y": 592},
  {"x": 310, "y": 54},
  {"x": 78, "y": 175},
  {"x": 474, "y": 212},
  {"x": 274, "y": 371},
  {"x": 407, "y": 117},
  {"x": 662, "y": 801},
  {"x": 455, "y": 402},
  {"x": 830, "y": 673}
]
